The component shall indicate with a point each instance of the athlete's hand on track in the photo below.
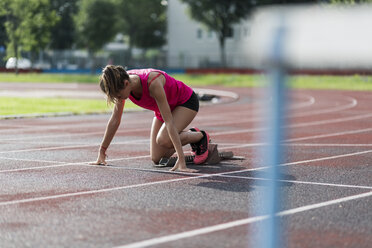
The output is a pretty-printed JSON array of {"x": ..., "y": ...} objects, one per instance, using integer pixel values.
[
  {"x": 101, "y": 160},
  {"x": 181, "y": 166}
]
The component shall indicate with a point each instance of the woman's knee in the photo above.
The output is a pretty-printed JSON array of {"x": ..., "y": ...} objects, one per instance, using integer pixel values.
[
  {"x": 155, "y": 159},
  {"x": 164, "y": 141}
]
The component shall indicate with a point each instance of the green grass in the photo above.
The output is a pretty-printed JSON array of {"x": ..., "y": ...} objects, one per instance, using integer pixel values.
[
  {"x": 48, "y": 78},
  {"x": 24, "y": 106},
  {"x": 355, "y": 82},
  {"x": 228, "y": 80},
  {"x": 18, "y": 106},
  {"x": 233, "y": 80}
]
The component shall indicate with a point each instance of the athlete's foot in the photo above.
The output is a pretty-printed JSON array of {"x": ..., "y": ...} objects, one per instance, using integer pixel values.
[
  {"x": 202, "y": 155},
  {"x": 194, "y": 146}
]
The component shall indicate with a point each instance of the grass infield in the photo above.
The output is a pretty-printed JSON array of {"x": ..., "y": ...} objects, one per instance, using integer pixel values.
[
  {"x": 11, "y": 106},
  {"x": 356, "y": 82},
  {"x": 19, "y": 106}
]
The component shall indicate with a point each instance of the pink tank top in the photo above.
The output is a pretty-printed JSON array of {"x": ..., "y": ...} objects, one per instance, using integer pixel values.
[{"x": 177, "y": 92}]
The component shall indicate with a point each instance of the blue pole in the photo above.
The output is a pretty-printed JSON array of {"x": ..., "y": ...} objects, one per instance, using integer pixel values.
[{"x": 269, "y": 232}]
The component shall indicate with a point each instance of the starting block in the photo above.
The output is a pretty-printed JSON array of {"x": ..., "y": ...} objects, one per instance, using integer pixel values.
[{"x": 214, "y": 157}]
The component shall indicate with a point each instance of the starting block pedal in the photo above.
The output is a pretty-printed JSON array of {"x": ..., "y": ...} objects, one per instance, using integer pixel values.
[{"x": 214, "y": 157}]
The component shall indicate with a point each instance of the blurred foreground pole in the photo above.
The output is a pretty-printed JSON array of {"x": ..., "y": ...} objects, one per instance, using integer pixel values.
[
  {"x": 319, "y": 37},
  {"x": 269, "y": 230}
]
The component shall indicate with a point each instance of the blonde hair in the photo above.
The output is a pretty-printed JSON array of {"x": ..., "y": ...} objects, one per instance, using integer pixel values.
[{"x": 112, "y": 81}]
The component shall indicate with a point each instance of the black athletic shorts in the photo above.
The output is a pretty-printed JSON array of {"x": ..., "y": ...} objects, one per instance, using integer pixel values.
[{"x": 192, "y": 103}]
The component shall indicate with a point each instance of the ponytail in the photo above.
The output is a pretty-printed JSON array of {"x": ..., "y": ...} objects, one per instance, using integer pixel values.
[{"x": 112, "y": 81}]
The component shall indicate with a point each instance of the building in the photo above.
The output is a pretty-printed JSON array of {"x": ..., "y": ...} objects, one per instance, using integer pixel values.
[{"x": 192, "y": 45}]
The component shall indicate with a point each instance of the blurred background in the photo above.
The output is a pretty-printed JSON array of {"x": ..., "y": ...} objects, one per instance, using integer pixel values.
[{"x": 82, "y": 36}]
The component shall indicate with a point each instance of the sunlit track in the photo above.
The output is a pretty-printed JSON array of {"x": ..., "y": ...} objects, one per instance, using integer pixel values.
[
  {"x": 352, "y": 104},
  {"x": 305, "y": 124},
  {"x": 49, "y": 173},
  {"x": 236, "y": 223},
  {"x": 216, "y": 133},
  {"x": 193, "y": 177},
  {"x": 223, "y": 148},
  {"x": 220, "y": 123},
  {"x": 330, "y": 135}
]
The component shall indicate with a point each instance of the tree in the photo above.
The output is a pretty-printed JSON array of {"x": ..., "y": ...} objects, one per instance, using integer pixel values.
[
  {"x": 144, "y": 21},
  {"x": 44, "y": 19},
  {"x": 95, "y": 25},
  {"x": 3, "y": 36},
  {"x": 27, "y": 25},
  {"x": 219, "y": 16},
  {"x": 63, "y": 33}
]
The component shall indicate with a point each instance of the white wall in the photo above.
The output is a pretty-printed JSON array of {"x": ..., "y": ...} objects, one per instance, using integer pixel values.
[{"x": 186, "y": 49}]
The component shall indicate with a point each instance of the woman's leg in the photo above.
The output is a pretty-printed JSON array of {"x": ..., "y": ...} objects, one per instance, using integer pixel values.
[
  {"x": 157, "y": 151},
  {"x": 160, "y": 143}
]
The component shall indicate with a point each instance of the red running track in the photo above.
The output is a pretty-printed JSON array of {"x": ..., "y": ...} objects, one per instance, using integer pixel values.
[{"x": 51, "y": 197}]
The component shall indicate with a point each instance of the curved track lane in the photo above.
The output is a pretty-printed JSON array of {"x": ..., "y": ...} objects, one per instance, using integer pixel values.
[{"x": 51, "y": 197}]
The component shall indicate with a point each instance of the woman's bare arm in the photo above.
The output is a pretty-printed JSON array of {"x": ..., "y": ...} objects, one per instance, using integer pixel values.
[{"x": 111, "y": 128}]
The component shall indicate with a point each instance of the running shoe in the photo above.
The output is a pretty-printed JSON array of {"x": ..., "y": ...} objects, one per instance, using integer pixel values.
[
  {"x": 202, "y": 152},
  {"x": 194, "y": 146}
]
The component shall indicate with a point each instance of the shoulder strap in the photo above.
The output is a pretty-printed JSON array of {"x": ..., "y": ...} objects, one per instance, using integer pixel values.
[{"x": 148, "y": 84}]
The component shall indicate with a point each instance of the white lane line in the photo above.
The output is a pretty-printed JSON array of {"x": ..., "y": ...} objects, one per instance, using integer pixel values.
[
  {"x": 48, "y": 148},
  {"x": 217, "y": 133},
  {"x": 352, "y": 104},
  {"x": 37, "y": 167},
  {"x": 220, "y": 122},
  {"x": 225, "y": 175},
  {"x": 328, "y": 158},
  {"x": 222, "y": 148},
  {"x": 132, "y": 142},
  {"x": 310, "y": 101},
  {"x": 76, "y": 134},
  {"x": 304, "y": 124},
  {"x": 89, "y": 192},
  {"x": 237, "y": 223},
  {"x": 86, "y": 163},
  {"x": 194, "y": 176},
  {"x": 307, "y": 161},
  {"x": 300, "y": 182},
  {"x": 75, "y": 125},
  {"x": 252, "y": 144},
  {"x": 192, "y": 233},
  {"x": 32, "y": 160},
  {"x": 326, "y": 144},
  {"x": 331, "y": 121},
  {"x": 324, "y": 204},
  {"x": 223, "y": 145},
  {"x": 330, "y": 135}
]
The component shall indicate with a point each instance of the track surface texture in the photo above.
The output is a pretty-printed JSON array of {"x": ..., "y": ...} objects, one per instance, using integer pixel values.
[{"x": 51, "y": 197}]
